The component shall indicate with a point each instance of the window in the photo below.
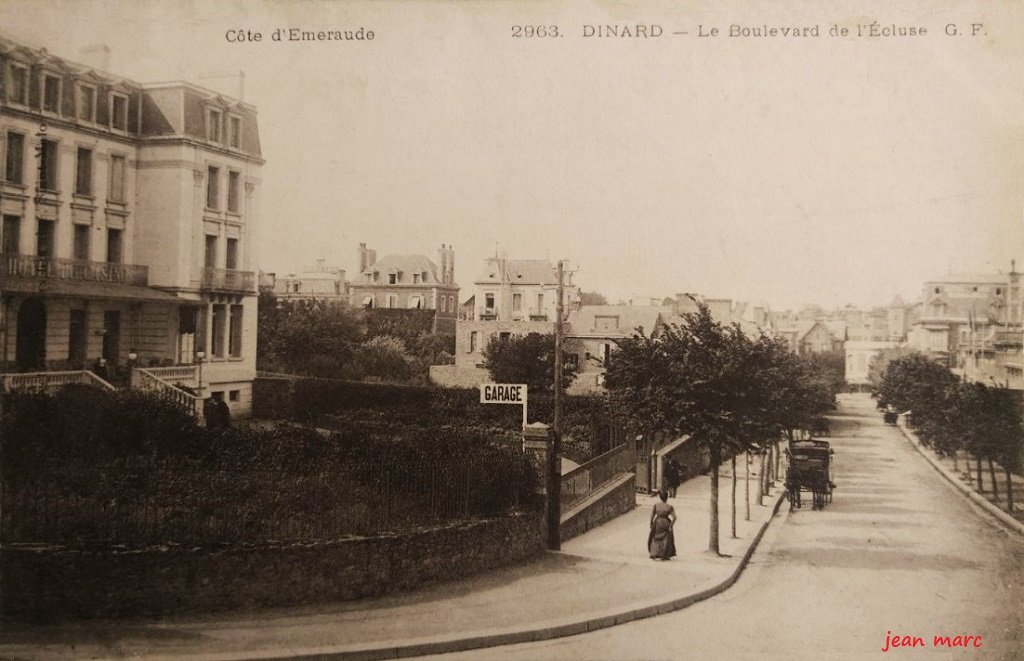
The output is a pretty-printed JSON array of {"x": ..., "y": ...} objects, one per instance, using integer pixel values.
[
  {"x": 489, "y": 302},
  {"x": 213, "y": 120},
  {"x": 392, "y": 301},
  {"x": 212, "y": 177},
  {"x": 51, "y": 93},
  {"x": 12, "y": 235},
  {"x": 392, "y": 278},
  {"x": 114, "y": 248},
  {"x": 472, "y": 341},
  {"x": 119, "y": 112},
  {"x": 83, "y": 173},
  {"x": 44, "y": 238},
  {"x": 504, "y": 336},
  {"x": 235, "y": 132},
  {"x": 17, "y": 84},
  {"x": 234, "y": 182},
  {"x": 235, "y": 334},
  {"x": 48, "y": 165},
  {"x": 210, "y": 257},
  {"x": 116, "y": 178},
  {"x": 14, "y": 168},
  {"x": 517, "y": 302},
  {"x": 234, "y": 395},
  {"x": 231, "y": 255},
  {"x": 415, "y": 278},
  {"x": 540, "y": 303},
  {"x": 415, "y": 302},
  {"x": 82, "y": 242},
  {"x": 219, "y": 314},
  {"x": 87, "y": 103}
]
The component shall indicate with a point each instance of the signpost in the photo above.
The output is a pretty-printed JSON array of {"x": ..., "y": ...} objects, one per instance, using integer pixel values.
[{"x": 504, "y": 393}]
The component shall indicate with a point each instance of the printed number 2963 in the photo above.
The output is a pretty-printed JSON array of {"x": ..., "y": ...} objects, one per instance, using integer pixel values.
[{"x": 535, "y": 31}]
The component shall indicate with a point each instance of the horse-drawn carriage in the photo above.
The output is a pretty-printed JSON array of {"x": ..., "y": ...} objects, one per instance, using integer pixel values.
[{"x": 810, "y": 469}]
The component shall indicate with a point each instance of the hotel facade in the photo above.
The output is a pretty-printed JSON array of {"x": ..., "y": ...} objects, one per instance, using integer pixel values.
[{"x": 129, "y": 218}]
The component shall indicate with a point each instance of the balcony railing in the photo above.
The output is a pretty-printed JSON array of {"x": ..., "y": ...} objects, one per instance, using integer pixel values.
[
  {"x": 50, "y": 381},
  {"x": 33, "y": 266},
  {"x": 229, "y": 280}
]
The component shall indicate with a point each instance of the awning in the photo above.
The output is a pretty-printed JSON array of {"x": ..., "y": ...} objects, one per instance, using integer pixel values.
[
  {"x": 51, "y": 287},
  {"x": 367, "y": 300}
]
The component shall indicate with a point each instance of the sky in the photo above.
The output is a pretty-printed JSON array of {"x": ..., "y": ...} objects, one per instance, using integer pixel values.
[{"x": 783, "y": 170}]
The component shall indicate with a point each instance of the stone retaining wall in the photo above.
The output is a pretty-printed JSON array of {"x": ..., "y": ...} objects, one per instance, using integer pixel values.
[
  {"x": 47, "y": 583},
  {"x": 613, "y": 500}
]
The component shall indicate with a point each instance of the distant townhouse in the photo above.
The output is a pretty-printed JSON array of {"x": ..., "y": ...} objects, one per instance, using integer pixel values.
[
  {"x": 808, "y": 337},
  {"x": 128, "y": 217},
  {"x": 408, "y": 282},
  {"x": 961, "y": 313},
  {"x": 318, "y": 283},
  {"x": 592, "y": 332}
]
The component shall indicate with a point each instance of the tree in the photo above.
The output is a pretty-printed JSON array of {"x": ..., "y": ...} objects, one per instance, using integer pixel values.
[
  {"x": 315, "y": 338},
  {"x": 385, "y": 358},
  {"x": 698, "y": 378},
  {"x": 880, "y": 361},
  {"x": 528, "y": 359}
]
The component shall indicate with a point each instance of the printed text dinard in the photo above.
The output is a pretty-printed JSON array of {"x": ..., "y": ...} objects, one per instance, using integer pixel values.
[{"x": 872, "y": 30}]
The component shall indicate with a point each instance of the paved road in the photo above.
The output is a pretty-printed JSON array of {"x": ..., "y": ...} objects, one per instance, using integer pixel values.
[{"x": 897, "y": 551}]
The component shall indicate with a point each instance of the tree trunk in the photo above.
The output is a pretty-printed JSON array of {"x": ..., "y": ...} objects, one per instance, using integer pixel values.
[
  {"x": 1009, "y": 490},
  {"x": 956, "y": 462},
  {"x": 771, "y": 468},
  {"x": 977, "y": 471},
  {"x": 760, "y": 481},
  {"x": 995, "y": 485},
  {"x": 734, "y": 496},
  {"x": 746, "y": 484},
  {"x": 716, "y": 460},
  {"x": 778, "y": 457}
]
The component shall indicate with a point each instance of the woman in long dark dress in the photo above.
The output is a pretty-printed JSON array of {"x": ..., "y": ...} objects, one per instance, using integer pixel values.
[{"x": 661, "y": 543}]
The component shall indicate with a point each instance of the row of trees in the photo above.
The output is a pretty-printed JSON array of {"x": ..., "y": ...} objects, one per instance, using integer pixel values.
[
  {"x": 334, "y": 340},
  {"x": 950, "y": 415},
  {"x": 728, "y": 391}
]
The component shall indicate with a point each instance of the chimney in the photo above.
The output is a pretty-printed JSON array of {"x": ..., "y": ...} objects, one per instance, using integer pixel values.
[
  {"x": 367, "y": 257},
  {"x": 451, "y": 265},
  {"x": 442, "y": 258}
]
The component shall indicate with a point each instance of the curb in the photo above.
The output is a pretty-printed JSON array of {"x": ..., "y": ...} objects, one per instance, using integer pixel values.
[
  {"x": 423, "y": 647},
  {"x": 980, "y": 500}
]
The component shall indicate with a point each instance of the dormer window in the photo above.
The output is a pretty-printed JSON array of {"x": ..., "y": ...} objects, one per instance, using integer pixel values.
[
  {"x": 119, "y": 112},
  {"x": 51, "y": 93},
  {"x": 213, "y": 122},
  {"x": 235, "y": 131},
  {"x": 415, "y": 278},
  {"x": 86, "y": 103},
  {"x": 17, "y": 83},
  {"x": 392, "y": 278}
]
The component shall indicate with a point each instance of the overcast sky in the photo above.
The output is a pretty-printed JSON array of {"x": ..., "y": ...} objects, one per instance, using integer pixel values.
[{"x": 784, "y": 170}]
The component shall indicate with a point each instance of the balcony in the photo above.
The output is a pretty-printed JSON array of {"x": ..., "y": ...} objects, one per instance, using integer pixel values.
[
  {"x": 33, "y": 266},
  {"x": 229, "y": 280}
]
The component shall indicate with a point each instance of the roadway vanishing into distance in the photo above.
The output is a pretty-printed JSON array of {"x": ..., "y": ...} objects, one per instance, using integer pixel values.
[{"x": 897, "y": 553}]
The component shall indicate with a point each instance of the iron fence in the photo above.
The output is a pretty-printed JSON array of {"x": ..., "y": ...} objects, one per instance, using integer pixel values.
[{"x": 134, "y": 507}]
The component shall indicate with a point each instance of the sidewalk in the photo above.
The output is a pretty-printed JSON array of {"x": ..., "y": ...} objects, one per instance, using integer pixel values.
[
  {"x": 960, "y": 472},
  {"x": 598, "y": 579}
]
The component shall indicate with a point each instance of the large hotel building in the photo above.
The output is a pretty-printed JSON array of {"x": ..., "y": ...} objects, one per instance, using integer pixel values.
[{"x": 129, "y": 213}]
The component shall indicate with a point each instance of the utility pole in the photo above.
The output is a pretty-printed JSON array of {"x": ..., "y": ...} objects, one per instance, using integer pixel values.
[{"x": 555, "y": 497}]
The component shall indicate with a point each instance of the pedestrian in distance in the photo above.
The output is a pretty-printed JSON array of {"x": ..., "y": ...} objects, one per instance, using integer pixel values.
[
  {"x": 673, "y": 477},
  {"x": 661, "y": 543}
]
